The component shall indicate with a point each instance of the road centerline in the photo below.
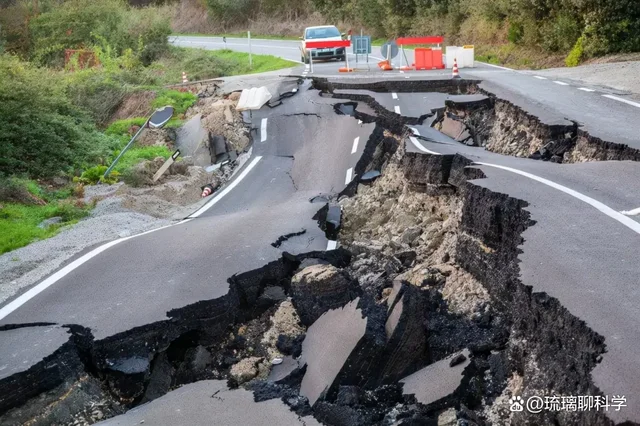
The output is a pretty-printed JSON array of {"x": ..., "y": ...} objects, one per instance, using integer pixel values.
[
  {"x": 561, "y": 83},
  {"x": 349, "y": 176},
  {"x": 354, "y": 148},
  {"x": 394, "y": 95},
  {"x": 397, "y": 109},
  {"x": 263, "y": 130}
]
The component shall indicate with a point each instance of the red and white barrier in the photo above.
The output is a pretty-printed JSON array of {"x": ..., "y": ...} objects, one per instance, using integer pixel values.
[
  {"x": 329, "y": 45},
  {"x": 424, "y": 58}
]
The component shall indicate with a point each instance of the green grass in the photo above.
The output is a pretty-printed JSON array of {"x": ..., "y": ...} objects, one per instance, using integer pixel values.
[
  {"x": 260, "y": 63},
  {"x": 19, "y": 222},
  {"x": 137, "y": 154}
]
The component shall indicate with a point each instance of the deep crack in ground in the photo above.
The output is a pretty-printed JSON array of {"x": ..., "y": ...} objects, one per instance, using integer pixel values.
[{"x": 428, "y": 271}]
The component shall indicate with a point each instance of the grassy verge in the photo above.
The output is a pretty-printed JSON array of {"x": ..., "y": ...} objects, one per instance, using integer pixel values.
[
  {"x": 28, "y": 204},
  {"x": 201, "y": 64}
]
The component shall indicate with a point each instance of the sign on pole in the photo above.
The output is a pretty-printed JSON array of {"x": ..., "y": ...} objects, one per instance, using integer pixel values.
[{"x": 166, "y": 165}]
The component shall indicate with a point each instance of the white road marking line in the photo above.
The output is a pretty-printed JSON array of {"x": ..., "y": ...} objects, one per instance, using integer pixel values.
[
  {"x": 263, "y": 130},
  {"x": 561, "y": 83},
  {"x": 539, "y": 77},
  {"x": 394, "y": 95},
  {"x": 401, "y": 72},
  {"x": 496, "y": 66},
  {"x": 628, "y": 222},
  {"x": 626, "y": 101},
  {"x": 331, "y": 245},
  {"x": 586, "y": 89},
  {"x": 633, "y": 212},
  {"x": 52, "y": 279},
  {"x": 397, "y": 109},
  {"x": 418, "y": 145},
  {"x": 354, "y": 148},
  {"x": 415, "y": 131},
  {"x": 349, "y": 176},
  {"x": 228, "y": 189}
]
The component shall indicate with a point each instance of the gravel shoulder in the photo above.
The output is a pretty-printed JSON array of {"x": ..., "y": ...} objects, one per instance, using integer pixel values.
[{"x": 620, "y": 76}]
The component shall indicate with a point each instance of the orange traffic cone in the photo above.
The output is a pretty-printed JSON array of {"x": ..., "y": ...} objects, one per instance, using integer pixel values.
[
  {"x": 385, "y": 65},
  {"x": 456, "y": 74},
  {"x": 207, "y": 190},
  {"x": 184, "y": 77}
]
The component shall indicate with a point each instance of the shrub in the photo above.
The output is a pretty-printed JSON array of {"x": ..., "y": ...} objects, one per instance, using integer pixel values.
[
  {"x": 180, "y": 101},
  {"x": 77, "y": 24},
  {"x": 516, "y": 32},
  {"x": 95, "y": 174},
  {"x": 575, "y": 56},
  {"x": 41, "y": 131}
]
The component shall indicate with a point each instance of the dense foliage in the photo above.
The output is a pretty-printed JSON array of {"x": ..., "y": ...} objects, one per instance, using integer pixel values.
[
  {"x": 42, "y": 133},
  {"x": 606, "y": 26},
  {"x": 43, "y": 29}
]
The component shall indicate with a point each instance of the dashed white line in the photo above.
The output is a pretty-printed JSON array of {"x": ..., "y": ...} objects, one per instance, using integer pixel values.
[
  {"x": 349, "y": 176},
  {"x": 561, "y": 83},
  {"x": 397, "y": 109},
  {"x": 539, "y": 77},
  {"x": 633, "y": 212},
  {"x": 331, "y": 245},
  {"x": 626, "y": 101},
  {"x": 394, "y": 95},
  {"x": 418, "y": 145},
  {"x": 354, "y": 148},
  {"x": 263, "y": 130},
  {"x": 586, "y": 89},
  {"x": 628, "y": 222}
]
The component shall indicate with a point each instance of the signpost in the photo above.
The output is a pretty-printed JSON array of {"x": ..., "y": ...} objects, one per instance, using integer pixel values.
[
  {"x": 361, "y": 46},
  {"x": 166, "y": 165},
  {"x": 159, "y": 118}
]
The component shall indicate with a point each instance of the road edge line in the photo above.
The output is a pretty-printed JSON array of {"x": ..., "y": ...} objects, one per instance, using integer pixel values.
[{"x": 225, "y": 191}]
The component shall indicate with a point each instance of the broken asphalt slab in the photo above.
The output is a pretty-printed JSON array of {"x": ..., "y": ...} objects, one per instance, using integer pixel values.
[
  {"x": 210, "y": 402},
  {"x": 436, "y": 381}
]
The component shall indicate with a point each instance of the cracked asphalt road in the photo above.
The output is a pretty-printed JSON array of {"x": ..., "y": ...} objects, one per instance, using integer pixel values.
[{"x": 576, "y": 253}]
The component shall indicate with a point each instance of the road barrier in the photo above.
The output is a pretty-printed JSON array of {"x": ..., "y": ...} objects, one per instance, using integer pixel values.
[
  {"x": 424, "y": 58},
  {"x": 464, "y": 55},
  {"x": 329, "y": 45}
]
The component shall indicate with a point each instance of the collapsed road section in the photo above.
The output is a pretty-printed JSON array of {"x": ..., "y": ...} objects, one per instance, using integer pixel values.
[{"x": 430, "y": 312}]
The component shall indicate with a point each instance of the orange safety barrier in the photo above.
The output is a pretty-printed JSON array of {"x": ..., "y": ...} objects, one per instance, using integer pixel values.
[{"x": 428, "y": 59}]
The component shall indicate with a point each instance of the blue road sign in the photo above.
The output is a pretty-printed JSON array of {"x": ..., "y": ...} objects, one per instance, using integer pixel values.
[{"x": 361, "y": 45}]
